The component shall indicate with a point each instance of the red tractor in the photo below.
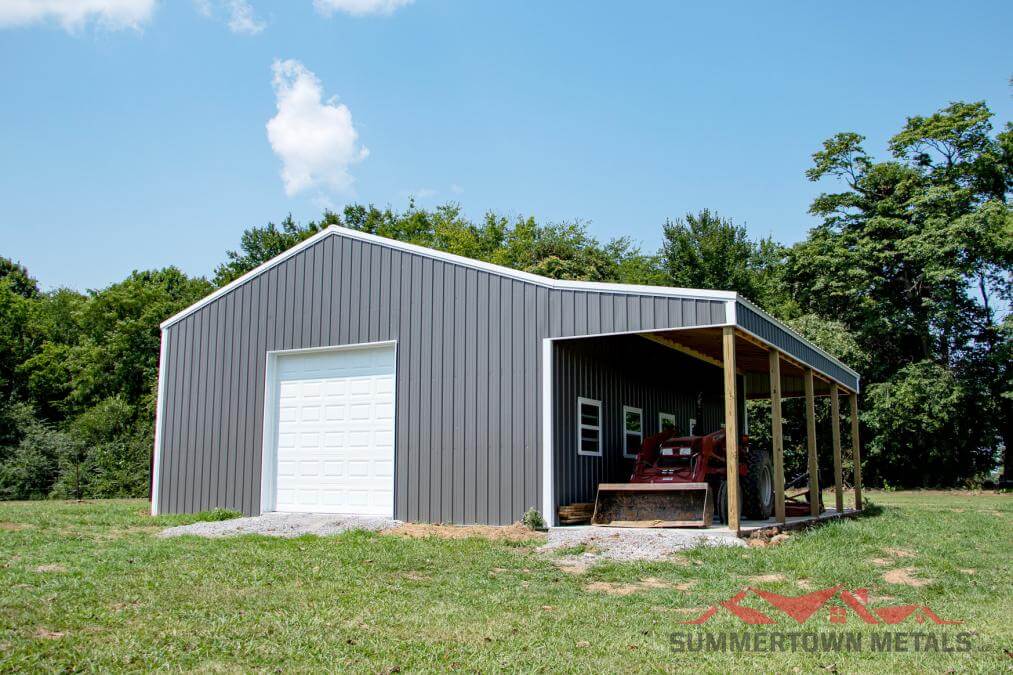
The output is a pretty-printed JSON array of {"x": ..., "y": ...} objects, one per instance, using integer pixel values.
[{"x": 680, "y": 481}]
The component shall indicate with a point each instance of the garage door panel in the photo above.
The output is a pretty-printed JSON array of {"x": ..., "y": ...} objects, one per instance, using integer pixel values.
[{"x": 335, "y": 432}]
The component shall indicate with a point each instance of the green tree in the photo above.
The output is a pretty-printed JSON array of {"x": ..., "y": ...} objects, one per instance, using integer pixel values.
[
  {"x": 557, "y": 250},
  {"x": 16, "y": 275},
  {"x": 79, "y": 420},
  {"x": 914, "y": 258},
  {"x": 260, "y": 244},
  {"x": 921, "y": 429},
  {"x": 707, "y": 251}
]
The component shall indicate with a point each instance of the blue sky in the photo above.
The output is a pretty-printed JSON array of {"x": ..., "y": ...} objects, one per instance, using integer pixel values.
[{"x": 139, "y": 139}]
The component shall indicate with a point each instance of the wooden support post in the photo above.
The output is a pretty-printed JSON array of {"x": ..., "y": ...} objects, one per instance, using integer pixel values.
[
  {"x": 856, "y": 454},
  {"x": 731, "y": 428},
  {"x": 810, "y": 424},
  {"x": 777, "y": 434},
  {"x": 835, "y": 434}
]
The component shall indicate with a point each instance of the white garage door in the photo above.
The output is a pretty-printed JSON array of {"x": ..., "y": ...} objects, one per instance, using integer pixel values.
[{"x": 335, "y": 440}]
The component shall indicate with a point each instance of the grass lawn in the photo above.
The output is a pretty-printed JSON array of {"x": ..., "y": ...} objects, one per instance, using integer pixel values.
[{"x": 89, "y": 587}]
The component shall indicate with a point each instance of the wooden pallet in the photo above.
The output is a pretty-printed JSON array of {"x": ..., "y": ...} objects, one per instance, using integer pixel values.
[{"x": 575, "y": 514}]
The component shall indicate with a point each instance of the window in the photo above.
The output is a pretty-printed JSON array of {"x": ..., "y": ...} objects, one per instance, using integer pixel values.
[
  {"x": 588, "y": 427},
  {"x": 692, "y": 427},
  {"x": 633, "y": 428},
  {"x": 666, "y": 421}
]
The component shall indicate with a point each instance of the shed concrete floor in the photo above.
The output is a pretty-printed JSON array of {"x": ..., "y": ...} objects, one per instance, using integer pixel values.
[
  {"x": 647, "y": 543},
  {"x": 747, "y": 527}
]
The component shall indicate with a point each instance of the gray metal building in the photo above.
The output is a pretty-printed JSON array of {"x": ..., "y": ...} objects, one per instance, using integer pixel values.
[{"x": 357, "y": 374}]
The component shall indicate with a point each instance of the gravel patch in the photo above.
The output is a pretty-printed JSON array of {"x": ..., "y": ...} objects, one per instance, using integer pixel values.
[
  {"x": 282, "y": 525},
  {"x": 627, "y": 543}
]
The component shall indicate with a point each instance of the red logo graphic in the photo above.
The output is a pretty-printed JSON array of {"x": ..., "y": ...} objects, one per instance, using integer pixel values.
[{"x": 803, "y": 607}]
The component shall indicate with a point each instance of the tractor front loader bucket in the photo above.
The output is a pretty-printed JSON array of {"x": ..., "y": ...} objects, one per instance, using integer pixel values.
[{"x": 653, "y": 505}]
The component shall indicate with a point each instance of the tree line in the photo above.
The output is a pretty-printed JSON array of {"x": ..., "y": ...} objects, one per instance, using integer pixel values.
[{"x": 908, "y": 278}]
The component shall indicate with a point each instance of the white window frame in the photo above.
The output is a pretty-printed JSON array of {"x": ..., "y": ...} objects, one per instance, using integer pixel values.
[
  {"x": 581, "y": 401},
  {"x": 662, "y": 416},
  {"x": 627, "y": 433}
]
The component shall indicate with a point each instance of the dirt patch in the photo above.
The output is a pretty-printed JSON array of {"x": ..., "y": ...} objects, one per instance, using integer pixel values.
[
  {"x": 46, "y": 634},
  {"x": 879, "y": 562},
  {"x": 6, "y": 526},
  {"x": 120, "y": 606},
  {"x": 571, "y": 566},
  {"x": 516, "y": 532},
  {"x": 805, "y": 584},
  {"x": 905, "y": 576},
  {"x": 51, "y": 567},
  {"x": 415, "y": 576},
  {"x": 765, "y": 538},
  {"x": 969, "y": 570},
  {"x": 899, "y": 552},
  {"x": 612, "y": 589},
  {"x": 650, "y": 583},
  {"x": 761, "y": 578}
]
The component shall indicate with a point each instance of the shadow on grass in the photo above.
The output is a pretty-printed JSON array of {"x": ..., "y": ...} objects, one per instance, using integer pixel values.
[{"x": 871, "y": 509}]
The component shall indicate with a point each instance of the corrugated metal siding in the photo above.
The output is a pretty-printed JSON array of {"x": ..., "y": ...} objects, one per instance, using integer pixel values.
[
  {"x": 618, "y": 371},
  {"x": 791, "y": 345},
  {"x": 468, "y": 385},
  {"x": 572, "y": 313}
]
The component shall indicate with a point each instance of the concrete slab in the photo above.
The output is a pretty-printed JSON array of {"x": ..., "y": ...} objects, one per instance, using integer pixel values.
[
  {"x": 283, "y": 525},
  {"x": 628, "y": 543},
  {"x": 747, "y": 527},
  {"x": 634, "y": 543}
]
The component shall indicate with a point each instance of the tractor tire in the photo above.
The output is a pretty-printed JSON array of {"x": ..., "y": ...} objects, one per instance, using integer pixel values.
[
  {"x": 758, "y": 485},
  {"x": 720, "y": 491}
]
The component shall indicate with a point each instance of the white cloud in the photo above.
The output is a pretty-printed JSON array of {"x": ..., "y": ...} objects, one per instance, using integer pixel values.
[
  {"x": 241, "y": 17},
  {"x": 73, "y": 15},
  {"x": 315, "y": 140},
  {"x": 456, "y": 189},
  {"x": 360, "y": 7}
]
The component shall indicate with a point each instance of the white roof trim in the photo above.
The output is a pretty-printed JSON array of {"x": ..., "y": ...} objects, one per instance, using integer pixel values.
[
  {"x": 601, "y": 287},
  {"x": 689, "y": 293}
]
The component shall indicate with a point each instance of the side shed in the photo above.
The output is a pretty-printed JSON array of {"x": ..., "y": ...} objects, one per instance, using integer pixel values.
[{"x": 358, "y": 374}]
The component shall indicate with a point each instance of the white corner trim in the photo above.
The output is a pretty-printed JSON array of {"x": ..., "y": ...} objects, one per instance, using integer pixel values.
[
  {"x": 156, "y": 469},
  {"x": 601, "y": 287},
  {"x": 548, "y": 494},
  {"x": 730, "y": 313},
  {"x": 269, "y": 442}
]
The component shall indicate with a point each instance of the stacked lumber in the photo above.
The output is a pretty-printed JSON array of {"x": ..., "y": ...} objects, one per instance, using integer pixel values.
[{"x": 576, "y": 514}]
